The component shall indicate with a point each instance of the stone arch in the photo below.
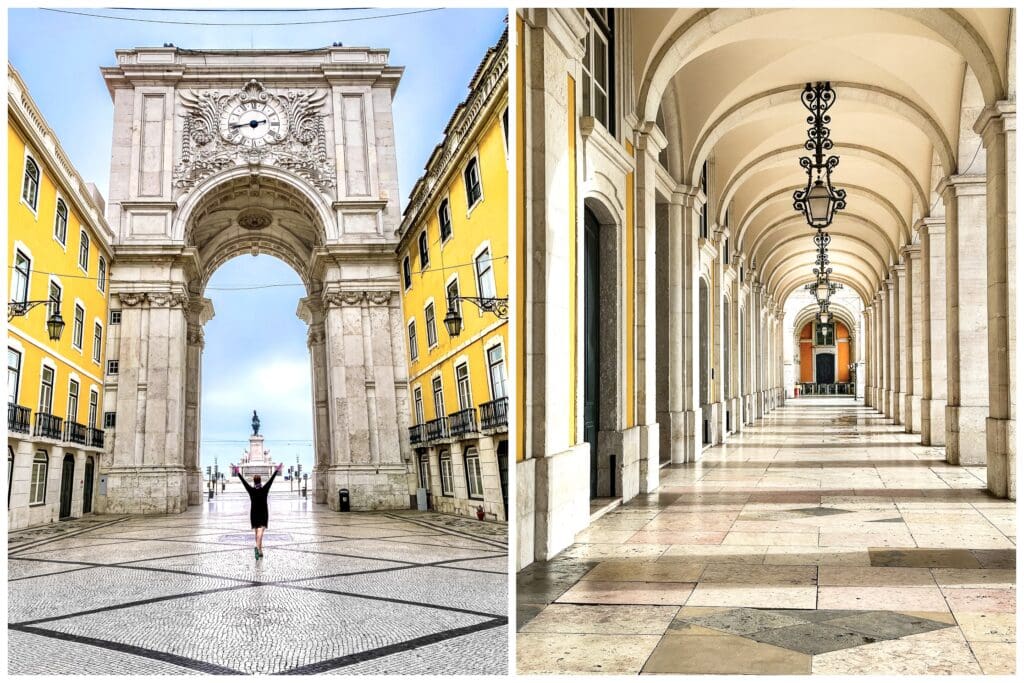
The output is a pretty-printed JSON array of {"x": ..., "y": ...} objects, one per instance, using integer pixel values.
[{"x": 798, "y": 223}]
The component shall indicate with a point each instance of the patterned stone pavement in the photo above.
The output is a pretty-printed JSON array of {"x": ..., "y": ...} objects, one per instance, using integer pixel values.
[
  {"x": 823, "y": 540},
  {"x": 366, "y": 593}
]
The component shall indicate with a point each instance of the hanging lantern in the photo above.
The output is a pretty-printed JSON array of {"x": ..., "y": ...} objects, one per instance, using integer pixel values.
[{"x": 819, "y": 200}]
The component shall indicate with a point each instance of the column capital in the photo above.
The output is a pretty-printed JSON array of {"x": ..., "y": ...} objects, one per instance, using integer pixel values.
[
  {"x": 565, "y": 26},
  {"x": 684, "y": 195},
  {"x": 900, "y": 269},
  {"x": 911, "y": 251},
  {"x": 997, "y": 118},
  {"x": 889, "y": 282},
  {"x": 932, "y": 225},
  {"x": 962, "y": 185},
  {"x": 649, "y": 137}
]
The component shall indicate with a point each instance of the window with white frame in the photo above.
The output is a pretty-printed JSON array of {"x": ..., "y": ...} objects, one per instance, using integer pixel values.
[
  {"x": 496, "y": 372},
  {"x": 428, "y": 313},
  {"x": 115, "y": 317},
  {"x": 13, "y": 374},
  {"x": 19, "y": 276},
  {"x": 474, "y": 190},
  {"x": 424, "y": 251},
  {"x": 78, "y": 331},
  {"x": 444, "y": 220},
  {"x": 417, "y": 397},
  {"x": 46, "y": 390},
  {"x": 463, "y": 385},
  {"x": 438, "y": 397},
  {"x": 97, "y": 342},
  {"x": 447, "y": 480},
  {"x": 484, "y": 274},
  {"x": 424, "y": 462},
  {"x": 101, "y": 275},
  {"x": 30, "y": 183},
  {"x": 72, "y": 414},
  {"x": 474, "y": 478},
  {"x": 112, "y": 367},
  {"x": 94, "y": 405},
  {"x": 83, "y": 251},
  {"x": 53, "y": 308},
  {"x": 60, "y": 222},
  {"x": 597, "y": 67},
  {"x": 37, "y": 487},
  {"x": 414, "y": 351}
]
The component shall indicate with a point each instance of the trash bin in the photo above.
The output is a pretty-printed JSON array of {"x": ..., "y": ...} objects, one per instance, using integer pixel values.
[
  {"x": 343, "y": 502},
  {"x": 211, "y": 494}
]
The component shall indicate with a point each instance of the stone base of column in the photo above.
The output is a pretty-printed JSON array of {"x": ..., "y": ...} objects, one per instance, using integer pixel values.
[
  {"x": 149, "y": 490},
  {"x": 618, "y": 469},
  {"x": 897, "y": 407},
  {"x": 320, "y": 485},
  {"x": 195, "y": 485},
  {"x": 933, "y": 422},
  {"x": 650, "y": 457},
  {"x": 758, "y": 405},
  {"x": 369, "y": 487},
  {"x": 911, "y": 413},
  {"x": 965, "y": 435},
  {"x": 1002, "y": 467},
  {"x": 869, "y": 396},
  {"x": 562, "y": 499},
  {"x": 748, "y": 409},
  {"x": 711, "y": 415},
  {"x": 525, "y": 512},
  {"x": 887, "y": 402},
  {"x": 733, "y": 416}
]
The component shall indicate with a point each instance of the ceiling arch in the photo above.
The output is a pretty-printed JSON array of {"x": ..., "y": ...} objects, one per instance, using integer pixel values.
[
  {"x": 796, "y": 224},
  {"x": 792, "y": 279}
]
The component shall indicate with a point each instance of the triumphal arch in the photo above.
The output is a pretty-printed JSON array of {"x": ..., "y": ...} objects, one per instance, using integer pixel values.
[{"x": 226, "y": 152}]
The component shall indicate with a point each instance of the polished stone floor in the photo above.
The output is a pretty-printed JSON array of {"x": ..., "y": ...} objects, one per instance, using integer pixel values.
[
  {"x": 822, "y": 540},
  {"x": 352, "y": 593}
]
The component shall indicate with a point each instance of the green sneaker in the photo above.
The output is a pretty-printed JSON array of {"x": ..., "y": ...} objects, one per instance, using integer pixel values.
[{"x": 257, "y": 551}]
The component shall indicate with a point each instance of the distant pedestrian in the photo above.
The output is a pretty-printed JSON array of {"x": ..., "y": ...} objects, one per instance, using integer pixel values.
[
  {"x": 223, "y": 485},
  {"x": 258, "y": 513}
]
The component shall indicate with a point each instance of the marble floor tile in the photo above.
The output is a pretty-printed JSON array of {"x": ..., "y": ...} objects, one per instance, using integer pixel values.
[
  {"x": 594, "y": 534},
  {"x": 922, "y": 598},
  {"x": 724, "y": 654},
  {"x": 813, "y": 639},
  {"x": 996, "y": 659},
  {"x": 845, "y": 556},
  {"x": 913, "y": 655},
  {"x": 770, "y": 539},
  {"x": 634, "y": 570},
  {"x": 602, "y": 619},
  {"x": 999, "y": 627},
  {"x": 887, "y": 625},
  {"x": 742, "y": 621},
  {"x": 1004, "y": 558},
  {"x": 975, "y": 578},
  {"x": 981, "y": 599},
  {"x": 769, "y": 575},
  {"x": 538, "y": 653},
  {"x": 734, "y": 554},
  {"x": 610, "y": 551},
  {"x": 678, "y": 537},
  {"x": 835, "y": 575},
  {"x": 628, "y": 593},
  {"x": 752, "y": 595},
  {"x": 957, "y": 558}
]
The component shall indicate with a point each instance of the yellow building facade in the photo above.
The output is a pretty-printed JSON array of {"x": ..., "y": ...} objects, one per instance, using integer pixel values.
[
  {"x": 59, "y": 254},
  {"x": 454, "y": 268}
]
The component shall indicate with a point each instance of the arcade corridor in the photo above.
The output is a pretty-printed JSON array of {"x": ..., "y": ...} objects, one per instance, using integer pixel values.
[{"x": 823, "y": 540}]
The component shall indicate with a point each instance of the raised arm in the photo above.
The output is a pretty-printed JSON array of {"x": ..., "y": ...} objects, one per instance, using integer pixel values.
[
  {"x": 244, "y": 482},
  {"x": 271, "y": 480}
]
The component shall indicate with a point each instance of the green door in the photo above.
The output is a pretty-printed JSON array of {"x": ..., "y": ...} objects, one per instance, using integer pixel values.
[{"x": 67, "y": 481}]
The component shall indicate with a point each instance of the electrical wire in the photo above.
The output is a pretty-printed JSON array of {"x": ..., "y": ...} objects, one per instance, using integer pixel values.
[{"x": 241, "y": 24}]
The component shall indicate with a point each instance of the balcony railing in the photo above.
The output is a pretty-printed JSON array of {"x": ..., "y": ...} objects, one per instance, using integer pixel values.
[
  {"x": 74, "y": 432},
  {"x": 437, "y": 429},
  {"x": 462, "y": 422},
  {"x": 833, "y": 389},
  {"x": 48, "y": 426},
  {"x": 94, "y": 437},
  {"x": 494, "y": 414},
  {"x": 416, "y": 434},
  {"x": 19, "y": 418}
]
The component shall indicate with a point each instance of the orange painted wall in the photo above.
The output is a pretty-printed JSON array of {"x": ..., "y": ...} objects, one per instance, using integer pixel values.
[
  {"x": 807, "y": 353},
  {"x": 843, "y": 360}
]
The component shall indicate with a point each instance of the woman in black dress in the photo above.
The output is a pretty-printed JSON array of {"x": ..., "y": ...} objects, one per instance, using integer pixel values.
[{"x": 258, "y": 513}]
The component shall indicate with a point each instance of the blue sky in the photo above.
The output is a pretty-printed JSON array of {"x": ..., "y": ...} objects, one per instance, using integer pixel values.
[{"x": 255, "y": 355}]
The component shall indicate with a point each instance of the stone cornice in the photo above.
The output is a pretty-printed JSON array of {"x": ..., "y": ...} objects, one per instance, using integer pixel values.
[
  {"x": 593, "y": 133},
  {"x": 1003, "y": 112},
  {"x": 961, "y": 184},
  {"x": 564, "y": 25},
  {"x": 489, "y": 84}
]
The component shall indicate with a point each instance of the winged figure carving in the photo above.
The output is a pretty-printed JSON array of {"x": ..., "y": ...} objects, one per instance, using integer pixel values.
[
  {"x": 203, "y": 113},
  {"x": 304, "y": 114}
]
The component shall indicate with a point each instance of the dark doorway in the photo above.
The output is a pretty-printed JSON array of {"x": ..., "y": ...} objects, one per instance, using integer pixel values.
[
  {"x": 825, "y": 368},
  {"x": 87, "y": 486},
  {"x": 67, "y": 481},
  {"x": 503, "y": 474},
  {"x": 591, "y": 326}
]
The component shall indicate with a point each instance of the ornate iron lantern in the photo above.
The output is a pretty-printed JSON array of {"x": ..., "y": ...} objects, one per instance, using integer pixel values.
[
  {"x": 819, "y": 200},
  {"x": 453, "y": 318},
  {"x": 54, "y": 322}
]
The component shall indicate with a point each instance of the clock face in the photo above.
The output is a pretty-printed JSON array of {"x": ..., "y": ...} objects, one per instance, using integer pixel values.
[{"x": 255, "y": 124}]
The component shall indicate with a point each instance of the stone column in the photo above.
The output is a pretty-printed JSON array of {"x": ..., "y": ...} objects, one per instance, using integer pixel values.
[
  {"x": 869, "y": 348},
  {"x": 756, "y": 360},
  {"x": 311, "y": 311},
  {"x": 735, "y": 356},
  {"x": 690, "y": 262},
  {"x": 933, "y": 331},
  {"x": 199, "y": 313},
  {"x": 886, "y": 348},
  {"x": 910, "y": 306},
  {"x": 966, "y": 319},
  {"x": 897, "y": 284},
  {"x": 717, "y": 364},
  {"x": 998, "y": 128}
]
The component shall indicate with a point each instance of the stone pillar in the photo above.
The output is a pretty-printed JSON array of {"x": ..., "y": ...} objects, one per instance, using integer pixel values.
[
  {"x": 311, "y": 311},
  {"x": 910, "y": 307},
  {"x": 199, "y": 313},
  {"x": 869, "y": 348},
  {"x": 756, "y": 360},
  {"x": 366, "y": 457},
  {"x": 879, "y": 328},
  {"x": 966, "y": 319},
  {"x": 717, "y": 364},
  {"x": 885, "y": 399},
  {"x": 896, "y": 285},
  {"x": 933, "y": 331},
  {"x": 148, "y": 474},
  {"x": 998, "y": 128},
  {"x": 735, "y": 356},
  {"x": 690, "y": 262}
]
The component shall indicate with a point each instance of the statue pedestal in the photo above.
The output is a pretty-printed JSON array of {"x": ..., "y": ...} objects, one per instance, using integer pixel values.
[{"x": 256, "y": 460}]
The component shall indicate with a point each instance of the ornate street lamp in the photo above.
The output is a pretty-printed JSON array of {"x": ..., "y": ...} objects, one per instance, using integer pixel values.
[
  {"x": 819, "y": 200},
  {"x": 453, "y": 318},
  {"x": 54, "y": 323}
]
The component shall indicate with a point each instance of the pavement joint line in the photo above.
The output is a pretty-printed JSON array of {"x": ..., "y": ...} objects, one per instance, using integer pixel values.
[
  {"x": 169, "y": 658},
  {"x": 377, "y": 653},
  {"x": 396, "y": 601},
  {"x": 60, "y": 537},
  {"x": 453, "y": 532}
]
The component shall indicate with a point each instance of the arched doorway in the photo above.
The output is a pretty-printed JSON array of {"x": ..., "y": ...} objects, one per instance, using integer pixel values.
[
  {"x": 67, "y": 482},
  {"x": 90, "y": 469}
]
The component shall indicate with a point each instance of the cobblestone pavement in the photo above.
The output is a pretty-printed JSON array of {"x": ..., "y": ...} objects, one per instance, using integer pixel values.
[
  {"x": 822, "y": 540},
  {"x": 336, "y": 593}
]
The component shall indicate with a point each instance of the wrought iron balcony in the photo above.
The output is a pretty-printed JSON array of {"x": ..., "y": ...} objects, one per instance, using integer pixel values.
[
  {"x": 462, "y": 422},
  {"x": 437, "y": 429},
  {"x": 74, "y": 432},
  {"x": 494, "y": 414},
  {"x": 48, "y": 426},
  {"x": 19, "y": 418},
  {"x": 416, "y": 434},
  {"x": 94, "y": 437}
]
